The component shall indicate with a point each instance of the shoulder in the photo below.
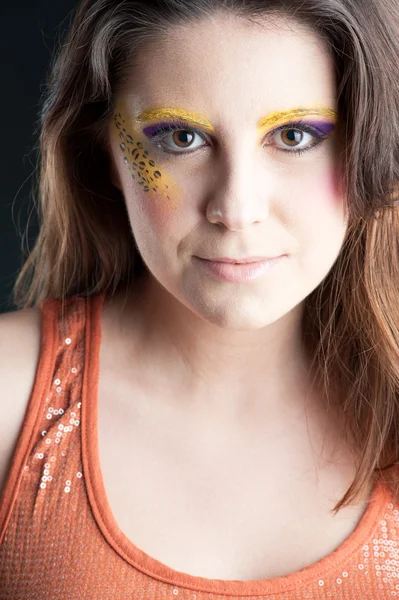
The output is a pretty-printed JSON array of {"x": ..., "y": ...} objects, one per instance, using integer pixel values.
[
  {"x": 20, "y": 339},
  {"x": 20, "y": 334}
]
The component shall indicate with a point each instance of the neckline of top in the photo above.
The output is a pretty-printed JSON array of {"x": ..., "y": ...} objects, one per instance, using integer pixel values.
[{"x": 152, "y": 567}]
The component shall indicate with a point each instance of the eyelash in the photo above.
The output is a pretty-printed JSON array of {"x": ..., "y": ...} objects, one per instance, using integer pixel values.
[{"x": 158, "y": 136}]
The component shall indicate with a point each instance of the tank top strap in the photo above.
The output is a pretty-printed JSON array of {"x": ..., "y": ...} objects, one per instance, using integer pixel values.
[{"x": 50, "y": 429}]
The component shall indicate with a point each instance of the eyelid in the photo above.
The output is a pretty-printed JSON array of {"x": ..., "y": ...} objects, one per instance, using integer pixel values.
[
  {"x": 304, "y": 125},
  {"x": 176, "y": 125},
  {"x": 173, "y": 126}
]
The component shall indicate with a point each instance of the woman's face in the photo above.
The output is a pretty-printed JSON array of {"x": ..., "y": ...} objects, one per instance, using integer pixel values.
[{"x": 248, "y": 167}]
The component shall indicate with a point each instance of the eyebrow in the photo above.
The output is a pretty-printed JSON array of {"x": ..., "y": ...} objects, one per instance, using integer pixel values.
[
  {"x": 176, "y": 113},
  {"x": 295, "y": 113},
  {"x": 195, "y": 119}
]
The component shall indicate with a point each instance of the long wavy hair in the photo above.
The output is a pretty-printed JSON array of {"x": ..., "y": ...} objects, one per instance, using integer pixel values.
[{"x": 85, "y": 245}]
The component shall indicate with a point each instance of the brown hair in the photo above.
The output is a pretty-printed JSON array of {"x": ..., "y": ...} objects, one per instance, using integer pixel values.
[{"x": 85, "y": 245}]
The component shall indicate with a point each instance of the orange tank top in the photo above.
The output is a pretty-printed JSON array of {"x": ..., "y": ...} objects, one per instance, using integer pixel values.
[{"x": 59, "y": 539}]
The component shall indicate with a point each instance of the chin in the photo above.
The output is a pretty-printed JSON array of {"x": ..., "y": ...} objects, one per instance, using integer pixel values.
[{"x": 237, "y": 316}]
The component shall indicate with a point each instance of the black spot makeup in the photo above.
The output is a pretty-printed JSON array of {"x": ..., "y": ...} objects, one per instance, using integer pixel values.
[{"x": 142, "y": 166}]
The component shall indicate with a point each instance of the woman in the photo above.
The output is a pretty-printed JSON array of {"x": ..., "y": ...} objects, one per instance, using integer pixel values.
[{"x": 209, "y": 320}]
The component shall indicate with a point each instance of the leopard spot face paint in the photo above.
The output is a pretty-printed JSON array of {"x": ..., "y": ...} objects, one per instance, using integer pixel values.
[{"x": 153, "y": 179}]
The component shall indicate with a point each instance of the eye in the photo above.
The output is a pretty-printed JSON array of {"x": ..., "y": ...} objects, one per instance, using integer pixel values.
[
  {"x": 175, "y": 139},
  {"x": 295, "y": 138}
]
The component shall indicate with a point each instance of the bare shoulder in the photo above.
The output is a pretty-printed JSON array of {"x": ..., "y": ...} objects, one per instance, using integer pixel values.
[{"x": 20, "y": 337}]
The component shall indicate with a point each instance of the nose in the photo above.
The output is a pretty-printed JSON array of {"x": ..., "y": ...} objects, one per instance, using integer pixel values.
[{"x": 241, "y": 195}]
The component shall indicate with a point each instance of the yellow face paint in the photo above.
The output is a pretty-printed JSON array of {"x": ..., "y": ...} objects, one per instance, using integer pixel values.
[
  {"x": 191, "y": 118},
  {"x": 278, "y": 118},
  {"x": 137, "y": 157}
]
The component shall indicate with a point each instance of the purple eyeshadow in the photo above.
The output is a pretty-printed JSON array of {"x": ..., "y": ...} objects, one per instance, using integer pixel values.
[
  {"x": 326, "y": 127},
  {"x": 152, "y": 129}
]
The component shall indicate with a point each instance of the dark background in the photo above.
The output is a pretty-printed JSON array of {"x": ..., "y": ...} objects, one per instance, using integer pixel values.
[{"x": 30, "y": 33}]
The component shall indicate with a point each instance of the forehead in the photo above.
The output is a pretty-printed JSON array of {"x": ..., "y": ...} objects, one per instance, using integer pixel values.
[{"x": 229, "y": 68}]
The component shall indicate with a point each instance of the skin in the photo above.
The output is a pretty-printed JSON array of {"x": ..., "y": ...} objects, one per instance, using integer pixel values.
[
  {"x": 226, "y": 350},
  {"x": 204, "y": 381}
]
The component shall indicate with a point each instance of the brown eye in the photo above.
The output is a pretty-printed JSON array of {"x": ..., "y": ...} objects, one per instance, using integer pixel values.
[
  {"x": 172, "y": 139},
  {"x": 291, "y": 137},
  {"x": 182, "y": 138}
]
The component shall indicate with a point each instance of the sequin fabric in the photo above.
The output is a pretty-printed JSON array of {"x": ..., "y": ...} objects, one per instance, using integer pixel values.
[{"x": 59, "y": 539}]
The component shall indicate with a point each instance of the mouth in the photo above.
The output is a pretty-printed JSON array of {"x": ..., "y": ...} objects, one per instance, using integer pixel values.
[{"x": 238, "y": 272}]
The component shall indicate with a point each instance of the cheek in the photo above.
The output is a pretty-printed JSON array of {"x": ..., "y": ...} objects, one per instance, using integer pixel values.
[
  {"x": 320, "y": 193},
  {"x": 321, "y": 222},
  {"x": 317, "y": 217},
  {"x": 151, "y": 182},
  {"x": 331, "y": 187}
]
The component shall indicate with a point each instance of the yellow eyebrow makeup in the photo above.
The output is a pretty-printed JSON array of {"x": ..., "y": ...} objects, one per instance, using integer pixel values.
[
  {"x": 284, "y": 116},
  {"x": 155, "y": 119},
  {"x": 191, "y": 118},
  {"x": 274, "y": 118}
]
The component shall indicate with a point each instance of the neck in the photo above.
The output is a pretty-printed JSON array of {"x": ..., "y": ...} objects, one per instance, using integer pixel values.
[{"x": 199, "y": 363}]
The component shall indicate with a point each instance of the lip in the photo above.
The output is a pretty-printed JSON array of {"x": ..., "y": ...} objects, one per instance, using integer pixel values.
[
  {"x": 238, "y": 273},
  {"x": 240, "y": 261}
]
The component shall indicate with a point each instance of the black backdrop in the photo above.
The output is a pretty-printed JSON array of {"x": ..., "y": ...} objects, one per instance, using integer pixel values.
[{"x": 30, "y": 31}]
